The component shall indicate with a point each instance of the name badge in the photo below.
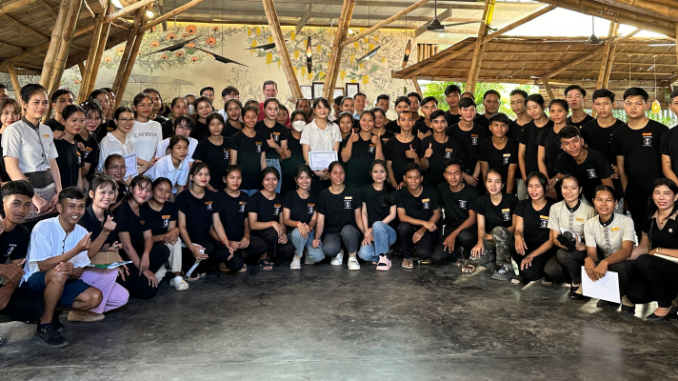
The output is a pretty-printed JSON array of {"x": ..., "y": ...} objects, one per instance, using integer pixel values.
[
  {"x": 45, "y": 136},
  {"x": 348, "y": 202},
  {"x": 615, "y": 229},
  {"x": 579, "y": 219}
]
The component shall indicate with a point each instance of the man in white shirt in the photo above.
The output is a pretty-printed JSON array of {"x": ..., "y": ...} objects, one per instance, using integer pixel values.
[{"x": 57, "y": 255}]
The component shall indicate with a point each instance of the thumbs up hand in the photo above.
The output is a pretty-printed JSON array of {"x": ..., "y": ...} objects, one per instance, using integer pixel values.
[
  {"x": 354, "y": 136},
  {"x": 411, "y": 153},
  {"x": 429, "y": 151}
]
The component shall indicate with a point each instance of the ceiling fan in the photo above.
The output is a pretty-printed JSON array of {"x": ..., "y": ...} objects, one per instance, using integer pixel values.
[
  {"x": 435, "y": 25},
  {"x": 593, "y": 39}
]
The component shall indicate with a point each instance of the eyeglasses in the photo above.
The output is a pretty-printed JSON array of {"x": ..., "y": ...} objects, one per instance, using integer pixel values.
[
  {"x": 185, "y": 128},
  {"x": 96, "y": 119},
  {"x": 126, "y": 120},
  {"x": 117, "y": 168}
]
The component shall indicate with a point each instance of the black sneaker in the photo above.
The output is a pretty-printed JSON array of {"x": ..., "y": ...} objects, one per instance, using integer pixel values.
[
  {"x": 57, "y": 326},
  {"x": 631, "y": 310},
  {"x": 48, "y": 337},
  {"x": 605, "y": 304}
]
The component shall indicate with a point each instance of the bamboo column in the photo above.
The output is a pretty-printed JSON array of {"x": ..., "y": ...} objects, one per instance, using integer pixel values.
[
  {"x": 480, "y": 47},
  {"x": 169, "y": 15},
  {"x": 15, "y": 82},
  {"x": 337, "y": 50},
  {"x": 607, "y": 58},
  {"x": 283, "y": 54},
  {"x": 93, "y": 45},
  {"x": 124, "y": 60},
  {"x": 97, "y": 58},
  {"x": 54, "y": 42},
  {"x": 549, "y": 92},
  {"x": 120, "y": 93},
  {"x": 60, "y": 62},
  {"x": 676, "y": 49},
  {"x": 415, "y": 81}
]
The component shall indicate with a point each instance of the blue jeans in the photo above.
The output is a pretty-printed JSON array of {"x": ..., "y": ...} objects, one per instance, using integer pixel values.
[
  {"x": 315, "y": 254},
  {"x": 250, "y": 192},
  {"x": 384, "y": 237},
  {"x": 276, "y": 164}
]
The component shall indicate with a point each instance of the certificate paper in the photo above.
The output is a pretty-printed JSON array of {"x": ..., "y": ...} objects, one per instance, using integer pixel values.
[
  {"x": 131, "y": 164},
  {"x": 321, "y": 159},
  {"x": 606, "y": 288}
]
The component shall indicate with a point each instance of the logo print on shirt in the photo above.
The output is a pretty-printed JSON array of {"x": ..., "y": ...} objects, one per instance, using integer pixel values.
[
  {"x": 310, "y": 208},
  {"x": 258, "y": 147},
  {"x": 506, "y": 213},
  {"x": 165, "y": 221},
  {"x": 507, "y": 156},
  {"x": 12, "y": 246},
  {"x": 462, "y": 204},
  {"x": 241, "y": 209},
  {"x": 474, "y": 140},
  {"x": 226, "y": 152},
  {"x": 276, "y": 137},
  {"x": 209, "y": 205},
  {"x": 88, "y": 150},
  {"x": 276, "y": 209},
  {"x": 544, "y": 223},
  {"x": 448, "y": 153},
  {"x": 371, "y": 148},
  {"x": 647, "y": 139},
  {"x": 426, "y": 203},
  {"x": 79, "y": 158},
  {"x": 592, "y": 173},
  {"x": 348, "y": 202}
]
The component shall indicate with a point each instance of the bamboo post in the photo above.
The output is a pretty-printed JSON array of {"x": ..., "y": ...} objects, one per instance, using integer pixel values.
[
  {"x": 676, "y": 25},
  {"x": 283, "y": 54},
  {"x": 415, "y": 81},
  {"x": 93, "y": 45},
  {"x": 64, "y": 48},
  {"x": 97, "y": 58},
  {"x": 127, "y": 10},
  {"x": 389, "y": 20},
  {"x": 54, "y": 42},
  {"x": 120, "y": 94},
  {"x": 169, "y": 15},
  {"x": 479, "y": 48},
  {"x": 334, "y": 62},
  {"x": 15, "y": 82},
  {"x": 81, "y": 66},
  {"x": 549, "y": 91},
  {"x": 128, "y": 49},
  {"x": 607, "y": 57}
]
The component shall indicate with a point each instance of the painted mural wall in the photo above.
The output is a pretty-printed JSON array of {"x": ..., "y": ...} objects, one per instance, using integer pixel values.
[{"x": 188, "y": 69}]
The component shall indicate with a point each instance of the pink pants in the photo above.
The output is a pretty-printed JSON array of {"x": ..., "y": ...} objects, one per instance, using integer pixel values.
[{"x": 114, "y": 294}]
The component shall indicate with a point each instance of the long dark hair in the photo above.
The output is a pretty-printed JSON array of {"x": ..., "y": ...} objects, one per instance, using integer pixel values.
[
  {"x": 388, "y": 191},
  {"x": 651, "y": 206}
]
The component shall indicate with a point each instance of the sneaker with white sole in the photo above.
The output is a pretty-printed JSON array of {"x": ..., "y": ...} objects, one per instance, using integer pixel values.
[
  {"x": 338, "y": 260},
  {"x": 504, "y": 273},
  {"x": 353, "y": 263},
  {"x": 179, "y": 283},
  {"x": 296, "y": 263}
]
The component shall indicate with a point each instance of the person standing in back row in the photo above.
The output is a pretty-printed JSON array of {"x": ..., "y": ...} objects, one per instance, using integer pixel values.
[
  {"x": 491, "y": 102},
  {"x": 576, "y": 98},
  {"x": 636, "y": 145},
  {"x": 468, "y": 135}
]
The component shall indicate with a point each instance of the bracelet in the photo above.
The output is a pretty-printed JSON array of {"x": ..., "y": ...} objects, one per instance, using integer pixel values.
[
  {"x": 270, "y": 224},
  {"x": 225, "y": 241}
]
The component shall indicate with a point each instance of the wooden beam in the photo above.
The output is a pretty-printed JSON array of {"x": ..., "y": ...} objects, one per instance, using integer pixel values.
[
  {"x": 446, "y": 14},
  {"x": 169, "y": 15},
  {"x": 415, "y": 81},
  {"x": 15, "y": 82},
  {"x": 161, "y": 9},
  {"x": 93, "y": 45},
  {"x": 586, "y": 57},
  {"x": 518, "y": 23},
  {"x": 480, "y": 47},
  {"x": 103, "y": 39},
  {"x": 607, "y": 57},
  {"x": 40, "y": 48},
  {"x": 127, "y": 10},
  {"x": 14, "y": 6},
  {"x": 120, "y": 94},
  {"x": 283, "y": 54},
  {"x": 62, "y": 55},
  {"x": 304, "y": 19},
  {"x": 54, "y": 42},
  {"x": 337, "y": 48},
  {"x": 547, "y": 87},
  {"x": 25, "y": 28},
  {"x": 126, "y": 53},
  {"x": 676, "y": 26},
  {"x": 389, "y": 20},
  {"x": 49, "y": 8},
  {"x": 12, "y": 46},
  {"x": 81, "y": 66}
]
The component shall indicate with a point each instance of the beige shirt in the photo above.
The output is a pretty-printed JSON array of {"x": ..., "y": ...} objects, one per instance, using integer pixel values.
[
  {"x": 560, "y": 217},
  {"x": 34, "y": 147},
  {"x": 609, "y": 237}
]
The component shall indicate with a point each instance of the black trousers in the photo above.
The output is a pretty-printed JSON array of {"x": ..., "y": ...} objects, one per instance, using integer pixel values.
[
  {"x": 137, "y": 284},
  {"x": 536, "y": 270},
  {"x": 657, "y": 280},
  {"x": 566, "y": 265},
  {"x": 279, "y": 252},
  {"x": 24, "y": 305},
  {"x": 250, "y": 254},
  {"x": 466, "y": 239},
  {"x": 638, "y": 208},
  {"x": 425, "y": 245}
]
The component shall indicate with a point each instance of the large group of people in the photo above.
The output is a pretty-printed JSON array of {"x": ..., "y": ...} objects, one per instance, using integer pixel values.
[{"x": 183, "y": 185}]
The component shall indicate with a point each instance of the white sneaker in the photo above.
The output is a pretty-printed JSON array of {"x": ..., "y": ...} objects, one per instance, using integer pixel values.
[
  {"x": 338, "y": 260},
  {"x": 353, "y": 263},
  {"x": 179, "y": 283},
  {"x": 296, "y": 263}
]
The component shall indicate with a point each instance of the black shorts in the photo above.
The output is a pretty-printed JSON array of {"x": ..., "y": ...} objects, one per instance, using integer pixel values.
[{"x": 72, "y": 288}]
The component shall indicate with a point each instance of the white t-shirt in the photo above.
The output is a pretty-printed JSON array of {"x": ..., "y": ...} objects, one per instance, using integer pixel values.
[
  {"x": 110, "y": 145},
  {"x": 146, "y": 138},
  {"x": 320, "y": 140},
  {"x": 162, "y": 148},
  {"x": 165, "y": 168},
  {"x": 48, "y": 240}
]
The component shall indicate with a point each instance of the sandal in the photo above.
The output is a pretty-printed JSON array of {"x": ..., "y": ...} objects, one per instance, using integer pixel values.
[
  {"x": 425, "y": 261},
  {"x": 265, "y": 265},
  {"x": 196, "y": 277},
  {"x": 243, "y": 269},
  {"x": 407, "y": 263},
  {"x": 384, "y": 263},
  {"x": 468, "y": 268}
]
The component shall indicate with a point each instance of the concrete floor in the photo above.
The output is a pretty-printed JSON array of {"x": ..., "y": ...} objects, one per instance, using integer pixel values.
[{"x": 326, "y": 323}]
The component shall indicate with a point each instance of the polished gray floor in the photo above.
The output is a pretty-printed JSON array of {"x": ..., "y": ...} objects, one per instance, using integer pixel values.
[{"x": 326, "y": 323}]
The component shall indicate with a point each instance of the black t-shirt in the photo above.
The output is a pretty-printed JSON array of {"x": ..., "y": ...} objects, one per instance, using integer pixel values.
[
  {"x": 167, "y": 126},
  {"x": 499, "y": 159},
  {"x": 90, "y": 222},
  {"x": 535, "y": 223},
  {"x": 300, "y": 209},
  {"x": 249, "y": 157},
  {"x": 420, "y": 207},
  {"x": 200, "y": 130},
  {"x": 290, "y": 165},
  {"x": 589, "y": 173},
  {"x": 456, "y": 205},
  {"x": 377, "y": 209},
  {"x": 158, "y": 222},
  {"x": 468, "y": 140},
  {"x": 394, "y": 128},
  {"x": 642, "y": 160},
  {"x": 385, "y": 137},
  {"x": 482, "y": 121},
  {"x": 395, "y": 152},
  {"x": 127, "y": 221},
  {"x": 265, "y": 209},
  {"x": 217, "y": 159},
  {"x": 229, "y": 130},
  {"x": 600, "y": 139},
  {"x": 420, "y": 126},
  {"x": 666, "y": 238},
  {"x": 528, "y": 138},
  {"x": 515, "y": 129},
  {"x": 358, "y": 166},
  {"x": 3, "y": 171},
  {"x": 338, "y": 209},
  {"x": 90, "y": 154},
  {"x": 499, "y": 215},
  {"x": 232, "y": 214},
  {"x": 581, "y": 123},
  {"x": 668, "y": 146},
  {"x": 198, "y": 213},
  {"x": 54, "y": 125},
  {"x": 69, "y": 162},
  {"x": 279, "y": 133},
  {"x": 14, "y": 244},
  {"x": 548, "y": 139},
  {"x": 442, "y": 152},
  {"x": 452, "y": 119}
]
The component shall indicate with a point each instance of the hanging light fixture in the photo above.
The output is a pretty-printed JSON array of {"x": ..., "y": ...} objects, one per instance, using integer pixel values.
[
  {"x": 369, "y": 55},
  {"x": 309, "y": 55},
  {"x": 656, "y": 107},
  {"x": 408, "y": 49}
]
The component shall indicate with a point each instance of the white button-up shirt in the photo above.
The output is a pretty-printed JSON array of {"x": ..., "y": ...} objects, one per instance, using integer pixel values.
[
  {"x": 164, "y": 168},
  {"x": 33, "y": 147},
  {"x": 162, "y": 148},
  {"x": 110, "y": 145},
  {"x": 320, "y": 140}
]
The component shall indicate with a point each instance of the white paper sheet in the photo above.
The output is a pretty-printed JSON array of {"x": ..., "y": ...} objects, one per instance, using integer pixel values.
[
  {"x": 131, "y": 164},
  {"x": 606, "y": 288},
  {"x": 321, "y": 159},
  {"x": 667, "y": 257}
]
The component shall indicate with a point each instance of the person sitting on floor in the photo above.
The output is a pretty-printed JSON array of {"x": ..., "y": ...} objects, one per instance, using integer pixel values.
[{"x": 56, "y": 258}]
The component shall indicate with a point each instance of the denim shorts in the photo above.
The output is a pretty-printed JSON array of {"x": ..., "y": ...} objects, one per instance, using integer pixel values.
[{"x": 72, "y": 288}]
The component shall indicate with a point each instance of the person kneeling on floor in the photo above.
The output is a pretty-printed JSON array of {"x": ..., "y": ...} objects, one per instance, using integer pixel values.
[{"x": 56, "y": 259}]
